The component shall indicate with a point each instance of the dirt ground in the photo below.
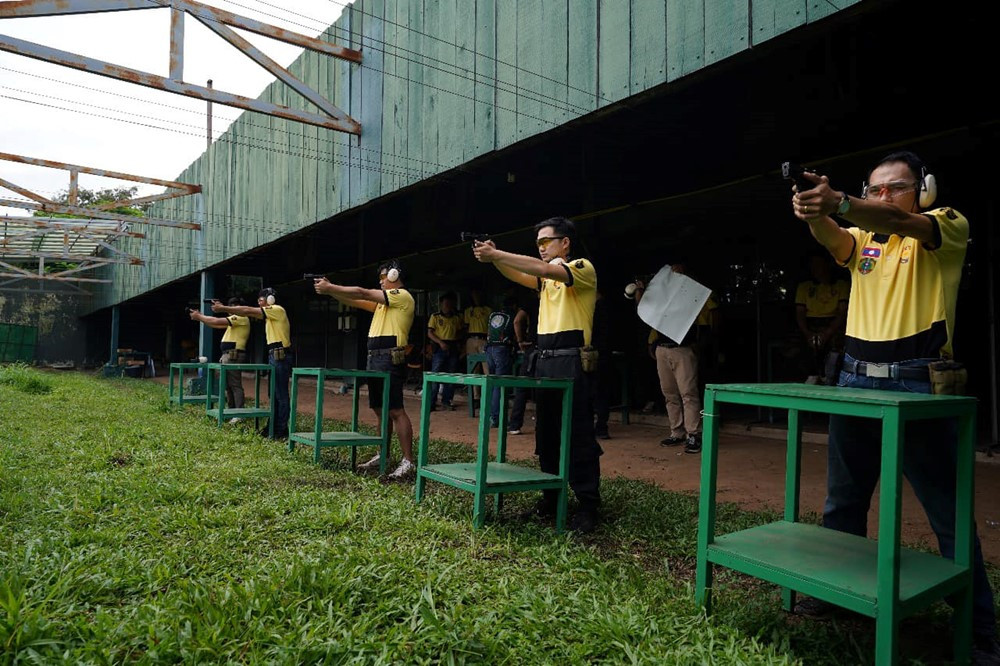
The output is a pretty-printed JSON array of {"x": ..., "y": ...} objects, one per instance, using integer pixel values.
[{"x": 751, "y": 467}]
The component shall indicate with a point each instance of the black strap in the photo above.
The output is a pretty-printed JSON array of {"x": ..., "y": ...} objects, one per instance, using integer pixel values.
[{"x": 547, "y": 353}]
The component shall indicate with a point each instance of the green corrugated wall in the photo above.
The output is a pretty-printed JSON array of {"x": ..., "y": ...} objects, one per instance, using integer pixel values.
[{"x": 442, "y": 82}]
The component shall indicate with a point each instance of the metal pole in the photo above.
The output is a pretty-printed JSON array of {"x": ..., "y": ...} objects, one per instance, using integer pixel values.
[
  {"x": 115, "y": 321},
  {"x": 992, "y": 315},
  {"x": 209, "y": 138}
]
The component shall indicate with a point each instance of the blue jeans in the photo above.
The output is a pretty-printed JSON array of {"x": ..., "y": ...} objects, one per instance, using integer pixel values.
[
  {"x": 282, "y": 404},
  {"x": 500, "y": 361},
  {"x": 444, "y": 360},
  {"x": 929, "y": 461}
]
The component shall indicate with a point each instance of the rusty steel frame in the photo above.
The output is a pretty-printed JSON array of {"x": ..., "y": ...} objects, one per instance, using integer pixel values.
[{"x": 217, "y": 20}]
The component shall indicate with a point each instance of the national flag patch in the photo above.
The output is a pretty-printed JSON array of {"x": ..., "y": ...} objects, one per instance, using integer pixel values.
[{"x": 873, "y": 252}]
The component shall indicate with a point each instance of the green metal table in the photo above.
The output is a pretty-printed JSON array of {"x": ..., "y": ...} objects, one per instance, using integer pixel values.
[
  {"x": 472, "y": 360},
  {"x": 483, "y": 477},
  {"x": 215, "y": 401},
  {"x": 878, "y": 579},
  {"x": 177, "y": 370},
  {"x": 317, "y": 438}
]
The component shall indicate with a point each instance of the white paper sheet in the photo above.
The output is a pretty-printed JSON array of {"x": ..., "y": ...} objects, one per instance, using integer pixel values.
[{"x": 672, "y": 302}]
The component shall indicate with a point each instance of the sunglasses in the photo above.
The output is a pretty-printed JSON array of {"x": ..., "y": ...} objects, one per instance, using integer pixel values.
[
  {"x": 894, "y": 188},
  {"x": 544, "y": 241}
]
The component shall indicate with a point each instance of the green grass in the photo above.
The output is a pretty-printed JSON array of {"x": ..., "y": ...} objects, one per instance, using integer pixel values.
[
  {"x": 24, "y": 379},
  {"x": 130, "y": 532}
]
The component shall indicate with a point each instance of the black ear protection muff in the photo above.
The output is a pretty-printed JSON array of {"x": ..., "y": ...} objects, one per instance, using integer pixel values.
[
  {"x": 269, "y": 295},
  {"x": 393, "y": 271}
]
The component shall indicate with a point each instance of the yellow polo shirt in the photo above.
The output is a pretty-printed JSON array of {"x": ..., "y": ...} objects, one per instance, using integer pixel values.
[
  {"x": 392, "y": 321},
  {"x": 822, "y": 300},
  {"x": 448, "y": 327},
  {"x": 566, "y": 309},
  {"x": 276, "y": 326},
  {"x": 903, "y": 292},
  {"x": 477, "y": 319},
  {"x": 238, "y": 331}
]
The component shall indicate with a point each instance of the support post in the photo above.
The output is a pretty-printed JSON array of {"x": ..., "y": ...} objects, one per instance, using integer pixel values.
[
  {"x": 205, "y": 332},
  {"x": 115, "y": 320}
]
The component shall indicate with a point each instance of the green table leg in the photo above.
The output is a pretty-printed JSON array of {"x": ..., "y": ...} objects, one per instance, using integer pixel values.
[
  {"x": 501, "y": 437},
  {"x": 292, "y": 420},
  {"x": 482, "y": 461},
  {"x": 964, "y": 531},
  {"x": 425, "y": 429},
  {"x": 354, "y": 424},
  {"x": 890, "y": 506},
  {"x": 564, "y": 446},
  {"x": 706, "y": 504},
  {"x": 793, "y": 465},
  {"x": 318, "y": 421},
  {"x": 270, "y": 387}
]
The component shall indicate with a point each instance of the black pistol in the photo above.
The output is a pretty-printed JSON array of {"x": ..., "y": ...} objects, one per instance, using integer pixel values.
[
  {"x": 792, "y": 171},
  {"x": 312, "y": 276},
  {"x": 472, "y": 237}
]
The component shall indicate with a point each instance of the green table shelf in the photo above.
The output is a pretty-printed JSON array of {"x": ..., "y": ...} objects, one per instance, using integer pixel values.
[
  {"x": 215, "y": 388},
  {"x": 879, "y": 579},
  {"x": 483, "y": 478},
  {"x": 317, "y": 438},
  {"x": 177, "y": 371}
]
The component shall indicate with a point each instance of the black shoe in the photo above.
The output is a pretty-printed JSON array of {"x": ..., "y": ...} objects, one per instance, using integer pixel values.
[
  {"x": 542, "y": 510},
  {"x": 693, "y": 444},
  {"x": 434, "y": 407},
  {"x": 814, "y": 609},
  {"x": 602, "y": 434},
  {"x": 263, "y": 432},
  {"x": 281, "y": 435},
  {"x": 672, "y": 441},
  {"x": 985, "y": 650},
  {"x": 584, "y": 521}
]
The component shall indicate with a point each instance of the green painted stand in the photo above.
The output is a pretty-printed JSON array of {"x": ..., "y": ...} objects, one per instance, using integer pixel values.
[
  {"x": 317, "y": 438},
  {"x": 878, "y": 579},
  {"x": 483, "y": 477},
  {"x": 178, "y": 397},
  {"x": 215, "y": 403},
  {"x": 472, "y": 360}
]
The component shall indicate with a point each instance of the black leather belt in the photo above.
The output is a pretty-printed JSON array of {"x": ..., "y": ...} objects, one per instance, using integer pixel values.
[
  {"x": 379, "y": 352},
  {"x": 886, "y": 370},
  {"x": 481, "y": 336},
  {"x": 548, "y": 353}
]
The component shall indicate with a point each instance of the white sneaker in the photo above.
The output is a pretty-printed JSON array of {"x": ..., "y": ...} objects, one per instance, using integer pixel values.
[
  {"x": 405, "y": 470},
  {"x": 514, "y": 431},
  {"x": 234, "y": 421},
  {"x": 371, "y": 464}
]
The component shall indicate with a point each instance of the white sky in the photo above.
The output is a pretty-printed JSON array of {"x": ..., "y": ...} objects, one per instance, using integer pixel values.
[{"x": 138, "y": 40}]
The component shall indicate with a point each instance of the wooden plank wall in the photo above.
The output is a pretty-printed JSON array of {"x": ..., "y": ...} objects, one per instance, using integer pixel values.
[{"x": 442, "y": 82}]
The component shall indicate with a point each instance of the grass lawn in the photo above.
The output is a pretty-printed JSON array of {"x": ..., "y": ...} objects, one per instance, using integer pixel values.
[{"x": 130, "y": 532}]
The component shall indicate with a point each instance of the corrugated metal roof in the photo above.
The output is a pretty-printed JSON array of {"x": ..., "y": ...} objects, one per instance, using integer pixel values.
[{"x": 25, "y": 238}]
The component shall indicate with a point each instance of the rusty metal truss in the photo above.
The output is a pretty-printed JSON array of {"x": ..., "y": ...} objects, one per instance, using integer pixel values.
[
  {"x": 86, "y": 242},
  {"x": 216, "y": 20}
]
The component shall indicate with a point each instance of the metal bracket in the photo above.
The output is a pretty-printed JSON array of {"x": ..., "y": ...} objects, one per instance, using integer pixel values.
[{"x": 215, "y": 19}]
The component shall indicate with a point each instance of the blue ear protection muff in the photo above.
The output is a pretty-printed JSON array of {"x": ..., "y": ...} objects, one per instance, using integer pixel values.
[{"x": 269, "y": 295}]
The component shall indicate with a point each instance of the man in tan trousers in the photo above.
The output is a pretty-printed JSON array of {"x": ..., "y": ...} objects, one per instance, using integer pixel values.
[{"x": 677, "y": 368}]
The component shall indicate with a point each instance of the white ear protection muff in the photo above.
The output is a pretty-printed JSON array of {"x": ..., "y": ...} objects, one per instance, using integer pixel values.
[
  {"x": 392, "y": 270},
  {"x": 270, "y": 299},
  {"x": 272, "y": 296},
  {"x": 392, "y": 275},
  {"x": 928, "y": 189}
]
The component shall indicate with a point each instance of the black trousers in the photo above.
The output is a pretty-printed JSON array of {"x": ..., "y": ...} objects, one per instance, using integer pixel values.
[{"x": 584, "y": 451}]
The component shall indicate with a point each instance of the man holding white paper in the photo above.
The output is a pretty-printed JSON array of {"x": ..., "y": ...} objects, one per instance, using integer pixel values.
[{"x": 679, "y": 310}]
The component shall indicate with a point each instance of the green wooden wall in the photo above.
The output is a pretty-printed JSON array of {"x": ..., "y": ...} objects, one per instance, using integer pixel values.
[{"x": 442, "y": 82}]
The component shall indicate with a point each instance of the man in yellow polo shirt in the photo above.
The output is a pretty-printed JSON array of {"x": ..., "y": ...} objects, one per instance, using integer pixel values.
[
  {"x": 905, "y": 265},
  {"x": 234, "y": 348},
  {"x": 445, "y": 328},
  {"x": 477, "y": 322},
  {"x": 567, "y": 287},
  {"x": 280, "y": 356},
  {"x": 393, "y": 309},
  {"x": 820, "y": 313}
]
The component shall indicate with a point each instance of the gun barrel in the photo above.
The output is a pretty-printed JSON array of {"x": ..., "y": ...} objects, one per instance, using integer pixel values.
[{"x": 312, "y": 276}]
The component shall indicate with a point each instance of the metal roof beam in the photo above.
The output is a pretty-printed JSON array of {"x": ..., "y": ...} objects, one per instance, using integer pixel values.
[{"x": 99, "y": 214}]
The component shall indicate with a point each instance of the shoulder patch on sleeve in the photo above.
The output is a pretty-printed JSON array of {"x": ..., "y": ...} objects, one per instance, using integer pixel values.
[
  {"x": 579, "y": 263},
  {"x": 950, "y": 213},
  {"x": 394, "y": 291}
]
